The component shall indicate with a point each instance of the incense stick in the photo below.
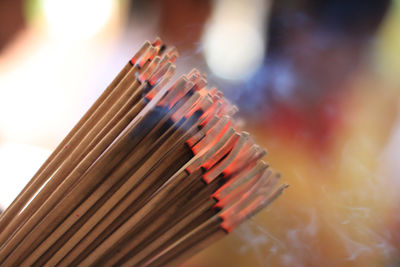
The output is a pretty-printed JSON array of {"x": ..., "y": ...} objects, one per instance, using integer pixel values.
[
  {"x": 34, "y": 184},
  {"x": 114, "y": 155},
  {"x": 124, "y": 187},
  {"x": 149, "y": 176},
  {"x": 90, "y": 125}
]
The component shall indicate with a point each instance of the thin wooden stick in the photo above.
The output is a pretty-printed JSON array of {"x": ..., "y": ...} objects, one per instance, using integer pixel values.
[
  {"x": 201, "y": 237},
  {"x": 199, "y": 213},
  {"x": 29, "y": 190},
  {"x": 136, "y": 246},
  {"x": 175, "y": 212},
  {"x": 117, "y": 211},
  {"x": 112, "y": 179},
  {"x": 116, "y": 151},
  {"x": 60, "y": 157},
  {"x": 144, "y": 147},
  {"x": 115, "y": 236},
  {"x": 129, "y": 97},
  {"x": 182, "y": 249},
  {"x": 230, "y": 158},
  {"x": 207, "y": 233},
  {"x": 160, "y": 197},
  {"x": 132, "y": 243},
  {"x": 128, "y": 163},
  {"x": 159, "y": 172}
]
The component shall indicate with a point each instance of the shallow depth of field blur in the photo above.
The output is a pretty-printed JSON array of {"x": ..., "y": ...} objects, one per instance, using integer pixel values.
[{"x": 317, "y": 83}]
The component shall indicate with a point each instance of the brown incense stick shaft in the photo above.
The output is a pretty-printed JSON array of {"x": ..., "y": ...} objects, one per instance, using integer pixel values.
[
  {"x": 80, "y": 231},
  {"x": 139, "y": 195},
  {"x": 199, "y": 214},
  {"x": 186, "y": 252},
  {"x": 129, "y": 163},
  {"x": 27, "y": 193},
  {"x": 100, "y": 168},
  {"x": 194, "y": 241},
  {"x": 132, "y": 160},
  {"x": 60, "y": 191},
  {"x": 120, "y": 232},
  {"x": 116, "y": 213},
  {"x": 198, "y": 187},
  {"x": 59, "y": 159},
  {"x": 185, "y": 216},
  {"x": 160, "y": 220}
]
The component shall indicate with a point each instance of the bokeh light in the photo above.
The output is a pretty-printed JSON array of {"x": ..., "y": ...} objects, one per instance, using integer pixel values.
[
  {"x": 233, "y": 50},
  {"x": 75, "y": 18},
  {"x": 234, "y": 38}
]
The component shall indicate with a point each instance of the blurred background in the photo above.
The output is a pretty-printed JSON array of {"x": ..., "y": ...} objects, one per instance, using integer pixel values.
[{"x": 317, "y": 82}]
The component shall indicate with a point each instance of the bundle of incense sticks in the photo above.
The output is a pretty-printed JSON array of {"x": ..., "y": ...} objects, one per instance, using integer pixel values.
[{"x": 153, "y": 172}]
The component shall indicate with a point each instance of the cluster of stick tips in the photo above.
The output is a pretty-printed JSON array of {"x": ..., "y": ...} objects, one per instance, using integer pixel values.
[{"x": 154, "y": 172}]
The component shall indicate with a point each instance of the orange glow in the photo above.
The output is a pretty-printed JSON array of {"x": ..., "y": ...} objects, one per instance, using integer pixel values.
[
  {"x": 220, "y": 153},
  {"x": 212, "y": 136}
]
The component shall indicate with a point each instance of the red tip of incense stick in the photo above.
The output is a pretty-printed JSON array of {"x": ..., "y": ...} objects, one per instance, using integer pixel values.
[
  {"x": 157, "y": 42},
  {"x": 149, "y": 70},
  {"x": 140, "y": 53}
]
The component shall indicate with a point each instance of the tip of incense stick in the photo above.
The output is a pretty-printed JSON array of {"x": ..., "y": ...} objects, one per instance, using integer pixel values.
[
  {"x": 248, "y": 205},
  {"x": 193, "y": 75},
  {"x": 147, "y": 56},
  {"x": 157, "y": 41},
  {"x": 161, "y": 72},
  {"x": 286, "y": 186},
  {"x": 160, "y": 82},
  {"x": 201, "y": 83},
  {"x": 140, "y": 52},
  {"x": 149, "y": 70},
  {"x": 173, "y": 54},
  {"x": 159, "y": 45}
]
